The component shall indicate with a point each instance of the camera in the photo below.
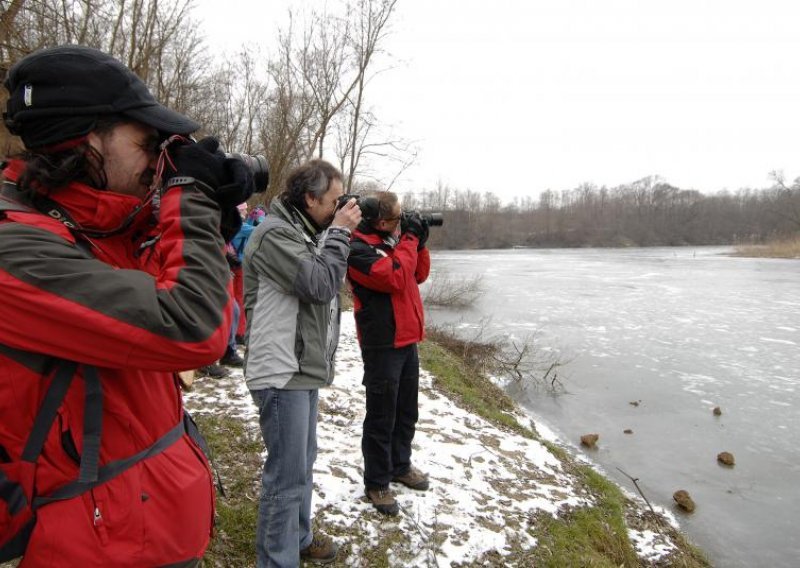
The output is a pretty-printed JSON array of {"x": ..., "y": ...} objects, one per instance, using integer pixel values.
[
  {"x": 432, "y": 219},
  {"x": 369, "y": 211},
  {"x": 257, "y": 165},
  {"x": 347, "y": 197}
]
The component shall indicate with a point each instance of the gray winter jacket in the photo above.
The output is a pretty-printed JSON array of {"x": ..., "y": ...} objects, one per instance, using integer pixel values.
[{"x": 292, "y": 280}]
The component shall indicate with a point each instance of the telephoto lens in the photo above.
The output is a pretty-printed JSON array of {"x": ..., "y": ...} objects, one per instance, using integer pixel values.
[
  {"x": 435, "y": 219},
  {"x": 258, "y": 166},
  {"x": 431, "y": 218}
]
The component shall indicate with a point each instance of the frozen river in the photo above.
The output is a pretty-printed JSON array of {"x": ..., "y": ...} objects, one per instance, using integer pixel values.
[{"x": 680, "y": 331}]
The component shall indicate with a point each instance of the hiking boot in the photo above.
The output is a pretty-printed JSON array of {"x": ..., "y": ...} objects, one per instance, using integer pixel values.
[
  {"x": 322, "y": 549},
  {"x": 413, "y": 479},
  {"x": 231, "y": 359},
  {"x": 383, "y": 501},
  {"x": 213, "y": 371}
]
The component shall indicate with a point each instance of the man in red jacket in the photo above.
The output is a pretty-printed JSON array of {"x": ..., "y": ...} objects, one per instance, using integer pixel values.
[
  {"x": 113, "y": 278},
  {"x": 388, "y": 260}
]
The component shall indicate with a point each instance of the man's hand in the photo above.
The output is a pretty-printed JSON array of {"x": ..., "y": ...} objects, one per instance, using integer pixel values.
[
  {"x": 347, "y": 216},
  {"x": 413, "y": 224},
  {"x": 225, "y": 180},
  {"x": 202, "y": 161}
]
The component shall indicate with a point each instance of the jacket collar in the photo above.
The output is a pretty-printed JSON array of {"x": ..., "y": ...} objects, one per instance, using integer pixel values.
[
  {"x": 292, "y": 215},
  {"x": 90, "y": 208},
  {"x": 373, "y": 237}
]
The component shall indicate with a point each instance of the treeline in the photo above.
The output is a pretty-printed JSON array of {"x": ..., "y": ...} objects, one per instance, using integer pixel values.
[
  {"x": 307, "y": 98},
  {"x": 648, "y": 212}
]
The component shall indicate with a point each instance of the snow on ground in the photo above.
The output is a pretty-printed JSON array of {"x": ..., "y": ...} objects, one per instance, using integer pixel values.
[{"x": 487, "y": 485}]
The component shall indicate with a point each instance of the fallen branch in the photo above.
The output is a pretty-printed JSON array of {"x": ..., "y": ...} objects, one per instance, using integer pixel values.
[
  {"x": 426, "y": 537},
  {"x": 635, "y": 481}
]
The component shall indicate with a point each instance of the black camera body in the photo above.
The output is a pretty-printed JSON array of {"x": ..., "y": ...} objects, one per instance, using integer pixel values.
[
  {"x": 257, "y": 165},
  {"x": 347, "y": 197},
  {"x": 369, "y": 211}
]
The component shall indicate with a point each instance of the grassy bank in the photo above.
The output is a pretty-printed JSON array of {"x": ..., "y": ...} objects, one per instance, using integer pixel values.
[
  {"x": 784, "y": 248},
  {"x": 593, "y": 531},
  {"x": 594, "y": 536},
  {"x": 236, "y": 452}
]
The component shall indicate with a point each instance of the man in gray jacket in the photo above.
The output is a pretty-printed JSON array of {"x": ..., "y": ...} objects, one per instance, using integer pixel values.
[{"x": 294, "y": 266}]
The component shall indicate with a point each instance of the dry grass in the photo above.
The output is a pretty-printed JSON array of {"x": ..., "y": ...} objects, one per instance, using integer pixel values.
[
  {"x": 447, "y": 291},
  {"x": 783, "y": 248}
]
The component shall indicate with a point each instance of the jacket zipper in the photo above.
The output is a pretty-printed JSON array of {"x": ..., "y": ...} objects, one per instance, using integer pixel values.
[{"x": 98, "y": 521}]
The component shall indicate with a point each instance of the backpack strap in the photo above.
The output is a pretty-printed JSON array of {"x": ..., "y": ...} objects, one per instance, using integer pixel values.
[
  {"x": 92, "y": 418},
  {"x": 92, "y": 425},
  {"x": 48, "y": 410},
  {"x": 12, "y": 494},
  {"x": 90, "y": 475},
  {"x": 194, "y": 433},
  {"x": 16, "y": 545},
  {"x": 112, "y": 469},
  {"x": 12, "y": 199},
  {"x": 13, "y": 491}
]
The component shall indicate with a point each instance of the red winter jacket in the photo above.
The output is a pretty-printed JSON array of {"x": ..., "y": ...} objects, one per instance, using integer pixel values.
[
  {"x": 138, "y": 312},
  {"x": 385, "y": 282}
]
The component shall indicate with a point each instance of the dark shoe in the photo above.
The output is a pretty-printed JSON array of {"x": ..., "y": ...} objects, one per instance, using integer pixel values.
[
  {"x": 383, "y": 501},
  {"x": 213, "y": 371},
  {"x": 239, "y": 339},
  {"x": 413, "y": 479},
  {"x": 322, "y": 549},
  {"x": 231, "y": 359}
]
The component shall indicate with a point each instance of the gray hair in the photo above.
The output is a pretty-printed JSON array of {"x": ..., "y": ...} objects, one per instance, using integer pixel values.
[{"x": 314, "y": 177}]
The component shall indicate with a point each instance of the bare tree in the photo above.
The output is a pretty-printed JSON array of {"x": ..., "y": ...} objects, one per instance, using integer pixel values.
[
  {"x": 157, "y": 40},
  {"x": 368, "y": 36},
  {"x": 292, "y": 105}
]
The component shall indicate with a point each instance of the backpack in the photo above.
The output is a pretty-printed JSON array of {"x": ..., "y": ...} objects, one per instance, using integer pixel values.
[{"x": 19, "y": 497}]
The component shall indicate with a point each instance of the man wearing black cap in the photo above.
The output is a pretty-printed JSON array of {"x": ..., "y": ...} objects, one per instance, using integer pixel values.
[{"x": 112, "y": 226}]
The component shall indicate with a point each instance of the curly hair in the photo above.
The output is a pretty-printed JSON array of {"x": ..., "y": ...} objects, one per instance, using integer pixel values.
[
  {"x": 314, "y": 177},
  {"x": 48, "y": 171}
]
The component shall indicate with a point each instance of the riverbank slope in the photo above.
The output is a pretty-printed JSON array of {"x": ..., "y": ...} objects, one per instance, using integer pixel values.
[{"x": 499, "y": 495}]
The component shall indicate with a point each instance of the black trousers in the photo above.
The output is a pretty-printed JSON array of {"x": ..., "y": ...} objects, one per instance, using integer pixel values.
[{"x": 392, "y": 380}]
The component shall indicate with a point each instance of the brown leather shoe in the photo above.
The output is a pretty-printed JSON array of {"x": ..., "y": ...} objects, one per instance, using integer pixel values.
[
  {"x": 383, "y": 500},
  {"x": 413, "y": 479},
  {"x": 322, "y": 549}
]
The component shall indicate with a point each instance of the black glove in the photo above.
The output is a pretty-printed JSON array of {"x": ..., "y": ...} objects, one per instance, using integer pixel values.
[
  {"x": 424, "y": 238},
  {"x": 202, "y": 161},
  {"x": 414, "y": 224},
  {"x": 227, "y": 181},
  {"x": 238, "y": 186},
  {"x": 229, "y": 224}
]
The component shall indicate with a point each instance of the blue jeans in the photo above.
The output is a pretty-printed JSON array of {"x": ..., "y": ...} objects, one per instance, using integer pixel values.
[
  {"x": 234, "y": 326},
  {"x": 288, "y": 420}
]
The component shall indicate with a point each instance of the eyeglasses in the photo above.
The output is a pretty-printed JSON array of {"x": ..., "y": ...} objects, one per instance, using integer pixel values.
[{"x": 392, "y": 219}]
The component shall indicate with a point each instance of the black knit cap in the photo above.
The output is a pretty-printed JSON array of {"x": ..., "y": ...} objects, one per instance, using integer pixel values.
[{"x": 57, "y": 94}]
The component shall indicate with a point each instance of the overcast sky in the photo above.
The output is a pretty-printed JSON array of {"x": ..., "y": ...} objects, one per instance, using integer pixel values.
[{"x": 516, "y": 97}]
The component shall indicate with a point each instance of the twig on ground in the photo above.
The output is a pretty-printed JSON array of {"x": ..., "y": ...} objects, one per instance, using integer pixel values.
[
  {"x": 426, "y": 537},
  {"x": 635, "y": 481}
]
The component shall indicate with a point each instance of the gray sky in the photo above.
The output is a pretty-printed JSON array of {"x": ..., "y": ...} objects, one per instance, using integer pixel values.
[{"x": 515, "y": 97}]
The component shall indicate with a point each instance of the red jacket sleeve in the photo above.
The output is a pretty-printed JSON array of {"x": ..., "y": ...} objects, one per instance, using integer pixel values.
[
  {"x": 382, "y": 273},
  {"x": 423, "y": 265},
  {"x": 62, "y": 301}
]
